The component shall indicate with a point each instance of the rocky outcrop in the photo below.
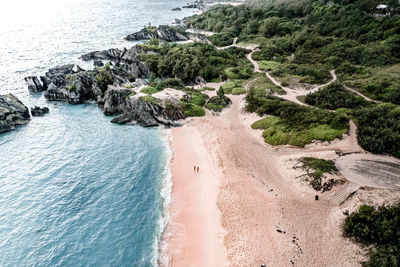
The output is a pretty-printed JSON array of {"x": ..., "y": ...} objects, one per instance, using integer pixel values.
[
  {"x": 38, "y": 111},
  {"x": 73, "y": 88},
  {"x": 176, "y": 9},
  {"x": 33, "y": 84},
  {"x": 163, "y": 32},
  {"x": 12, "y": 112},
  {"x": 166, "y": 33},
  {"x": 131, "y": 108}
]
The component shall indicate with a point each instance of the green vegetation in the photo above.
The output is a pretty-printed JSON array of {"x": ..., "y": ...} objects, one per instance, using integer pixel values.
[
  {"x": 263, "y": 83},
  {"x": 71, "y": 88},
  {"x": 104, "y": 77},
  {"x": 149, "y": 99},
  {"x": 149, "y": 90},
  {"x": 378, "y": 83},
  {"x": 228, "y": 87},
  {"x": 132, "y": 93},
  {"x": 238, "y": 91},
  {"x": 205, "y": 88},
  {"x": 291, "y": 123},
  {"x": 379, "y": 227},
  {"x": 316, "y": 169},
  {"x": 188, "y": 61},
  {"x": 192, "y": 110},
  {"x": 379, "y": 128},
  {"x": 335, "y": 96},
  {"x": 196, "y": 98},
  {"x": 222, "y": 39},
  {"x": 239, "y": 72}
]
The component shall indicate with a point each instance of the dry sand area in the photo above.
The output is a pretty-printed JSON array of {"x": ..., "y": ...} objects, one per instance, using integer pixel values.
[{"x": 246, "y": 207}]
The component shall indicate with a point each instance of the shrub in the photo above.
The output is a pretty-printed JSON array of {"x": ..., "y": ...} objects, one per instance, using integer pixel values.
[
  {"x": 238, "y": 73},
  {"x": 149, "y": 99},
  {"x": 335, "y": 96},
  {"x": 149, "y": 90},
  {"x": 191, "y": 110},
  {"x": 379, "y": 227},
  {"x": 238, "y": 91}
]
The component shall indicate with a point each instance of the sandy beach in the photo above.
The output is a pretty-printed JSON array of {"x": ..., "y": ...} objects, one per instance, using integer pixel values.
[{"x": 245, "y": 208}]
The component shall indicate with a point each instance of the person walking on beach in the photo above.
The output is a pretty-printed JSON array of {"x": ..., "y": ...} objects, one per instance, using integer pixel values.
[
  {"x": 197, "y": 169},
  {"x": 194, "y": 168}
]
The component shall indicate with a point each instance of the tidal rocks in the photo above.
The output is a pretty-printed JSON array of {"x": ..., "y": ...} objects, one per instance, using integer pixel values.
[
  {"x": 38, "y": 111},
  {"x": 12, "y": 112},
  {"x": 176, "y": 9},
  {"x": 73, "y": 88},
  {"x": 34, "y": 84}
]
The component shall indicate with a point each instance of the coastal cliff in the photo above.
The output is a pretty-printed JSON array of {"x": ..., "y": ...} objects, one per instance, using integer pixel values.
[{"x": 12, "y": 112}]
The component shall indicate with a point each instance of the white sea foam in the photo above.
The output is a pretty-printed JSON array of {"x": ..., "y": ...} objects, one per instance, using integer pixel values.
[{"x": 160, "y": 245}]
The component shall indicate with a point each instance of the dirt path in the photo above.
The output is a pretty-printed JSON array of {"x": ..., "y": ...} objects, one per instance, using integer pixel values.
[{"x": 363, "y": 96}]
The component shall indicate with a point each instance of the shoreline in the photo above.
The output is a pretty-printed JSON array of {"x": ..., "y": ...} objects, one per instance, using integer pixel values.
[{"x": 194, "y": 233}]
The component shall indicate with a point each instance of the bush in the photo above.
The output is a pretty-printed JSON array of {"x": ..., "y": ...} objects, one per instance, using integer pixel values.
[
  {"x": 335, "y": 96},
  {"x": 229, "y": 85},
  {"x": 222, "y": 39},
  {"x": 191, "y": 110},
  {"x": 378, "y": 129},
  {"x": 149, "y": 90},
  {"x": 238, "y": 73},
  {"x": 104, "y": 77},
  {"x": 379, "y": 227},
  {"x": 238, "y": 91},
  {"x": 149, "y": 99}
]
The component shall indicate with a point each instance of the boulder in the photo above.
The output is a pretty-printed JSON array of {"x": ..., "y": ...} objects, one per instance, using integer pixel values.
[
  {"x": 176, "y": 9},
  {"x": 12, "y": 112},
  {"x": 38, "y": 111},
  {"x": 33, "y": 84}
]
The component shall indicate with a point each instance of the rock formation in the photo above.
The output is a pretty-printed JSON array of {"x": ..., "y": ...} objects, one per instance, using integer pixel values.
[
  {"x": 166, "y": 33},
  {"x": 12, "y": 112},
  {"x": 38, "y": 111}
]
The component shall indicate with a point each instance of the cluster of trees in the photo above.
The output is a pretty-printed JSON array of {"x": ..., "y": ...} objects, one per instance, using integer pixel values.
[
  {"x": 187, "y": 62},
  {"x": 379, "y": 128},
  {"x": 377, "y": 227},
  {"x": 335, "y": 96}
]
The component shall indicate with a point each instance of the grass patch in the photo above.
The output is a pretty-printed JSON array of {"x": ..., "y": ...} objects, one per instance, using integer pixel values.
[
  {"x": 267, "y": 85},
  {"x": 149, "y": 99},
  {"x": 316, "y": 168},
  {"x": 229, "y": 85},
  {"x": 238, "y": 91},
  {"x": 283, "y": 132},
  {"x": 269, "y": 65},
  {"x": 206, "y": 88},
  {"x": 149, "y": 90}
]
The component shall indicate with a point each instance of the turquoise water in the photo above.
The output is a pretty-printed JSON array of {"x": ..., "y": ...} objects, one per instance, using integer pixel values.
[{"x": 75, "y": 189}]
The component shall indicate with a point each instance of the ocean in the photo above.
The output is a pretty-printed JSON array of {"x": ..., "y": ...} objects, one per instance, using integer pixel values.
[{"x": 75, "y": 189}]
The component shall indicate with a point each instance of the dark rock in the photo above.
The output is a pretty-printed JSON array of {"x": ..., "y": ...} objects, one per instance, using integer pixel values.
[
  {"x": 34, "y": 84},
  {"x": 74, "y": 88},
  {"x": 163, "y": 32},
  {"x": 191, "y": 6},
  {"x": 38, "y": 111},
  {"x": 98, "y": 63},
  {"x": 12, "y": 112},
  {"x": 176, "y": 9}
]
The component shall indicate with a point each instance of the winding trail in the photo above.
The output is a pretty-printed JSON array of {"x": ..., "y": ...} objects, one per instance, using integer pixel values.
[{"x": 363, "y": 96}]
